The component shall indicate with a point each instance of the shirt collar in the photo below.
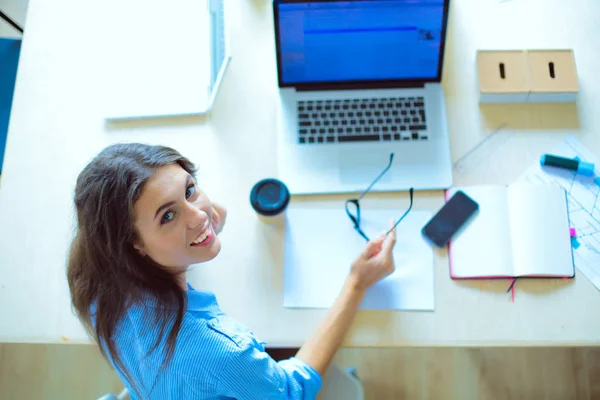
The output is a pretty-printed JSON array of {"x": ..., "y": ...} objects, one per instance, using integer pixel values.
[
  {"x": 196, "y": 301},
  {"x": 201, "y": 301}
]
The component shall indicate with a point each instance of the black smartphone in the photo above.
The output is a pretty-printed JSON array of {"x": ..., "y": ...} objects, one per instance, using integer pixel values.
[{"x": 443, "y": 225}]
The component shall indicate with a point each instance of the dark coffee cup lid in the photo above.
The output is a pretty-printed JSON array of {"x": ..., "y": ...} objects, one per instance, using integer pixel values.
[{"x": 269, "y": 197}]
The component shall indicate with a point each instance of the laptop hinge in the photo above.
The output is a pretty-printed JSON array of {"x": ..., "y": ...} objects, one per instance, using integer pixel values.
[{"x": 361, "y": 86}]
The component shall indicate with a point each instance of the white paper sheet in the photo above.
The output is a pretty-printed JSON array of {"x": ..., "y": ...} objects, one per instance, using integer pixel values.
[
  {"x": 583, "y": 200},
  {"x": 321, "y": 244}
]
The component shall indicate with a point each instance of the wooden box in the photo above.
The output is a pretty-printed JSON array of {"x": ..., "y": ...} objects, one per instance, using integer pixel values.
[
  {"x": 553, "y": 76},
  {"x": 503, "y": 76}
]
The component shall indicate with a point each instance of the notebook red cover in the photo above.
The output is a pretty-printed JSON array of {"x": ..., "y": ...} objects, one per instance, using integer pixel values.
[{"x": 453, "y": 276}]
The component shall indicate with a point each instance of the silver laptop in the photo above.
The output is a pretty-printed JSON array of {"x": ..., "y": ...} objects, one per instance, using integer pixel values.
[{"x": 360, "y": 80}]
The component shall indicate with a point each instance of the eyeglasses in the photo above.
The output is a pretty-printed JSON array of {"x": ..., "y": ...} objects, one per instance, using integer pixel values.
[{"x": 355, "y": 203}]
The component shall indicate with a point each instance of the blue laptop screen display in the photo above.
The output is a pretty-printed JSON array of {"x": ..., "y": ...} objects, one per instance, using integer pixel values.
[{"x": 360, "y": 40}]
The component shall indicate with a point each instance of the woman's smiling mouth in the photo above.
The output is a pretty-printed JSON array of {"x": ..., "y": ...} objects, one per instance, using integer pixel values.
[{"x": 205, "y": 238}]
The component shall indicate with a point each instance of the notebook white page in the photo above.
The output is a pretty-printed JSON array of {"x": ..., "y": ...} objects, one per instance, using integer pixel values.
[
  {"x": 539, "y": 226},
  {"x": 482, "y": 248}
]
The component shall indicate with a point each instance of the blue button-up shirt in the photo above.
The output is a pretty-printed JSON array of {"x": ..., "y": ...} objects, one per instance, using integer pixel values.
[{"x": 215, "y": 357}]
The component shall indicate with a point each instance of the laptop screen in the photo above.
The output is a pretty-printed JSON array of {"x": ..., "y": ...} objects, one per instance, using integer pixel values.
[{"x": 345, "y": 41}]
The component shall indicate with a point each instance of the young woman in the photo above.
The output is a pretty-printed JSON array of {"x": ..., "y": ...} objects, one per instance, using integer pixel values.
[{"x": 142, "y": 221}]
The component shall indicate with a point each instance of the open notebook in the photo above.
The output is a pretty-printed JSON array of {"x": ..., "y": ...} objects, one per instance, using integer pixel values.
[{"x": 519, "y": 231}]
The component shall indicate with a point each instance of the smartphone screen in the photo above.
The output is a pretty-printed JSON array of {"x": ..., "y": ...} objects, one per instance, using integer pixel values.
[{"x": 450, "y": 218}]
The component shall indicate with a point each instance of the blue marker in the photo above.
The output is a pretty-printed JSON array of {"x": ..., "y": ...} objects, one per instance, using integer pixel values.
[{"x": 583, "y": 168}]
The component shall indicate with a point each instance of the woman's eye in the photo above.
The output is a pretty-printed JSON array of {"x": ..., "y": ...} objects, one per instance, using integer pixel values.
[
  {"x": 190, "y": 191},
  {"x": 167, "y": 217}
]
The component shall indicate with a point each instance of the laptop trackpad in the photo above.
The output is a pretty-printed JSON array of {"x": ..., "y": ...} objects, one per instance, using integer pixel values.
[{"x": 357, "y": 167}]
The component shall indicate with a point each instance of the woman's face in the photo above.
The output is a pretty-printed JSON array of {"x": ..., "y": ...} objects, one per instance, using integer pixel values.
[{"x": 174, "y": 220}]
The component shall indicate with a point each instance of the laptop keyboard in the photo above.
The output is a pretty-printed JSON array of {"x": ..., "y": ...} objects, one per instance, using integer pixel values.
[{"x": 360, "y": 120}]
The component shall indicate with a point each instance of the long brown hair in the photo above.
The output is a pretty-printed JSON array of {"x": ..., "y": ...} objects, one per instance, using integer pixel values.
[{"x": 106, "y": 274}]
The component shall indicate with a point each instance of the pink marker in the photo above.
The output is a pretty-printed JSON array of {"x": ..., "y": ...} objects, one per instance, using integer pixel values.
[{"x": 573, "y": 232}]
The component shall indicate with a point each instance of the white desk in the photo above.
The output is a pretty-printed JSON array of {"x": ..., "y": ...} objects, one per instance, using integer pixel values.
[{"x": 57, "y": 126}]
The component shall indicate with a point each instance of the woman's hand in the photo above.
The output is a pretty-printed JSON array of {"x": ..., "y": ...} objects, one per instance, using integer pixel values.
[
  {"x": 374, "y": 263},
  {"x": 219, "y": 215}
]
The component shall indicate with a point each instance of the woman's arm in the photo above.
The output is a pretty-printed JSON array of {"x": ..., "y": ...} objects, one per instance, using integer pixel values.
[
  {"x": 319, "y": 350},
  {"x": 374, "y": 263}
]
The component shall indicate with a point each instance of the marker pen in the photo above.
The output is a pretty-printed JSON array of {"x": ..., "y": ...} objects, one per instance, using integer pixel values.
[{"x": 583, "y": 168}]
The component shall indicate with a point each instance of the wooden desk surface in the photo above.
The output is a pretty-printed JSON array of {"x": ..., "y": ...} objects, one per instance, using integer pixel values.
[{"x": 57, "y": 126}]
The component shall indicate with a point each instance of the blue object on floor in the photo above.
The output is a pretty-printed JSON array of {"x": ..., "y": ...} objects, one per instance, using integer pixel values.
[
  {"x": 9, "y": 60},
  {"x": 352, "y": 371}
]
